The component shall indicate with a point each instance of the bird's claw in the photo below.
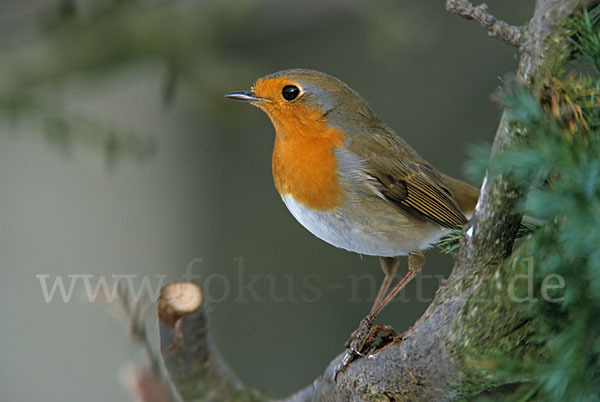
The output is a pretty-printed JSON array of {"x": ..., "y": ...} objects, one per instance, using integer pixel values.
[
  {"x": 355, "y": 345},
  {"x": 362, "y": 343}
]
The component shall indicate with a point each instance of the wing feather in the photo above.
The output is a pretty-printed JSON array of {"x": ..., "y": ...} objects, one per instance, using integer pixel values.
[
  {"x": 401, "y": 177},
  {"x": 417, "y": 189}
]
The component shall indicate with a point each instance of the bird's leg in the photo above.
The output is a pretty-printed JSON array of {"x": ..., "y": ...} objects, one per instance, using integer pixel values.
[
  {"x": 356, "y": 344},
  {"x": 388, "y": 266},
  {"x": 415, "y": 263}
]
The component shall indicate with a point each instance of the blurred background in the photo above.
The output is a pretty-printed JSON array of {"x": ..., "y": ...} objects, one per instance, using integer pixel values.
[{"x": 119, "y": 155}]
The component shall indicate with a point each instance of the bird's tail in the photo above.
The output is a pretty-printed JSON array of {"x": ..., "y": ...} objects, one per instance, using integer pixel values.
[{"x": 465, "y": 195}]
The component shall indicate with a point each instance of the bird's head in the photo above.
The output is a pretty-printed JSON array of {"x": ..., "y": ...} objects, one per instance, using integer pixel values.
[{"x": 304, "y": 98}]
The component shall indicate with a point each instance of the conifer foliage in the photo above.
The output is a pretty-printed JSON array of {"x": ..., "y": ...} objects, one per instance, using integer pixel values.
[{"x": 558, "y": 161}]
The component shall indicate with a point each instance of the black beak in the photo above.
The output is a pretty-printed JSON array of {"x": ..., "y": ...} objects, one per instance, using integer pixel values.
[{"x": 244, "y": 96}]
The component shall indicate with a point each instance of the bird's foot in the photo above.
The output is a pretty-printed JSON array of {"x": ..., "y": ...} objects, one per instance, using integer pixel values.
[{"x": 362, "y": 342}]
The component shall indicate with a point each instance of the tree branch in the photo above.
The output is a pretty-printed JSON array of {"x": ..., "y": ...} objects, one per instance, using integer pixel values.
[
  {"x": 445, "y": 354},
  {"x": 496, "y": 28},
  {"x": 195, "y": 367}
]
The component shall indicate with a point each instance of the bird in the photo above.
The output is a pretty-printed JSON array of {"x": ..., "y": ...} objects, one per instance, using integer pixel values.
[{"x": 353, "y": 182}]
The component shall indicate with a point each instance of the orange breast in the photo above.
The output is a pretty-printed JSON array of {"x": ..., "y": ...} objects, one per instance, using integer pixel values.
[{"x": 304, "y": 162}]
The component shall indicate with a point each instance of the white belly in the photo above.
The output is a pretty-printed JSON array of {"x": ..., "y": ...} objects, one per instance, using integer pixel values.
[{"x": 337, "y": 229}]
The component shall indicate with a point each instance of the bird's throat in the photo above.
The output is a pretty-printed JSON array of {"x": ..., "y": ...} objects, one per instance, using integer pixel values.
[{"x": 305, "y": 165}]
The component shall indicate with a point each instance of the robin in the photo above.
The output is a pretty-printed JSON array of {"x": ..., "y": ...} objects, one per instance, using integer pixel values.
[{"x": 352, "y": 181}]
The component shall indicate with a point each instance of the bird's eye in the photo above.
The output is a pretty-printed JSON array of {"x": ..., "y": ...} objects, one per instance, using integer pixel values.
[{"x": 290, "y": 92}]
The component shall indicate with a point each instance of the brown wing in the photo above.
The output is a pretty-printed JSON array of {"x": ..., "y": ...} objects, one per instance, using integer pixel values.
[
  {"x": 404, "y": 179},
  {"x": 417, "y": 189}
]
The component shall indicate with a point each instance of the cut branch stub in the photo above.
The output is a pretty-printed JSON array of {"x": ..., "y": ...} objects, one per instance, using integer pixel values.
[
  {"x": 194, "y": 365},
  {"x": 177, "y": 300}
]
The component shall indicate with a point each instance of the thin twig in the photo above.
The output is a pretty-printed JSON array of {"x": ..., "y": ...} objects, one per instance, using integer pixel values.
[
  {"x": 497, "y": 29},
  {"x": 145, "y": 384}
]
